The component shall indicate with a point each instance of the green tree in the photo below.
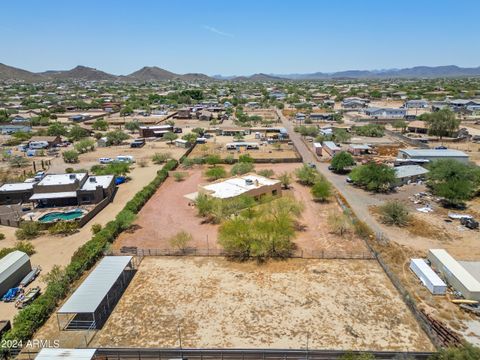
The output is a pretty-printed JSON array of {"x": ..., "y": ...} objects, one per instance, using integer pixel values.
[
  {"x": 400, "y": 124},
  {"x": 76, "y": 133},
  {"x": 100, "y": 124},
  {"x": 170, "y": 137},
  {"x": 306, "y": 175},
  {"x": 213, "y": 159},
  {"x": 341, "y": 135},
  {"x": 85, "y": 145},
  {"x": 341, "y": 161},
  {"x": 285, "y": 179},
  {"x": 56, "y": 129},
  {"x": 245, "y": 158},
  {"x": 70, "y": 156},
  {"x": 116, "y": 168},
  {"x": 116, "y": 137},
  {"x": 268, "y": 173},
  {"x": 453, "y": 180},
  {"x": 441, "y": 123},
  {"x": 216, "y": 173},
  {"x": 374, "y": 177},
  {"x": 321, "y": 190},
  {"x": 339, "y": 223},
  {"x": 261, "y": 232},
  {"x": 190, "y": 137},
  {"x": 132, "y": 126}
]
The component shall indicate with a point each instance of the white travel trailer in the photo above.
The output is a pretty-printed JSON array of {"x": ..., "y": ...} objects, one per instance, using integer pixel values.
[
  {"x": 38, "y": 144},
  {"x": 428, "y": 277}
]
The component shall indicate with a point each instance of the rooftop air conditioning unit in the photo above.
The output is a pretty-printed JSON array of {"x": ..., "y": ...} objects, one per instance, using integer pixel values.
[
  {"x": 73, "y": 176},
  {"x": 92, "y": 179},
  {"x": 248, "y": 181}
]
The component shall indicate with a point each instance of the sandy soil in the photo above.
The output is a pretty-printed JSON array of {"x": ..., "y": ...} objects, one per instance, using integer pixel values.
[
  {"x": 157, "y": 223},
  {"x": 216, "y": 303}
]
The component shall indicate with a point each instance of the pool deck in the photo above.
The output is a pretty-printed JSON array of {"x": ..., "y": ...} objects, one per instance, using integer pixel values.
[{"x": 37, "y": 213}]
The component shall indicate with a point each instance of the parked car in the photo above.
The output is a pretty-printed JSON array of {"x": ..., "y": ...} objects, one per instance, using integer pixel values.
[
  {"x": 137, "y": 143},
  {"x": 120, "y": 180},
  {"x": 348, "y": 180},
  {"x": 177, "y": 130},
  {"x": 469, "y": 223},
  {"x": 126, "y": 158},
  {"x": 105, "y": 160}
]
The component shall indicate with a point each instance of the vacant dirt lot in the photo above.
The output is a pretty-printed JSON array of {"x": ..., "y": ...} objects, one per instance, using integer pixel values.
[
  {"x": 216, "y": 303},
  {"x": 168, "y": 212}
]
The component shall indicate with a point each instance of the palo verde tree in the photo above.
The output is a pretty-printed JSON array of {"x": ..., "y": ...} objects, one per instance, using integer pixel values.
[
  {"x": 441, "y": 123},
  {"x": 374, "y": 177},
  {"x": 453, "y": 180}
]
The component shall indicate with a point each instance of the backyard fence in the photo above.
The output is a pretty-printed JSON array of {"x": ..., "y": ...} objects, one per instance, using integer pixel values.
[
  {"x": 300, "y": 253},
  {"x": 406, "y": 139}
]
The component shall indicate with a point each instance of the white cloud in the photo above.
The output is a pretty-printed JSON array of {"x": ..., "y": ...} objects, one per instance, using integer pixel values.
[{"x": 216, "y": 31}]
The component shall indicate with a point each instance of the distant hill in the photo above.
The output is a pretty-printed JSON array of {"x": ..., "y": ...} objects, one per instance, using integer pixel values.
[
  {"x": 414, "y": 72},
  {"x": 13, "y": 73},
  {"x": 258, "y": 77},
  {"x": 79, "y": 73},
  {"x": 151, "y": 73},
  {"x": 154, "y": 73}
]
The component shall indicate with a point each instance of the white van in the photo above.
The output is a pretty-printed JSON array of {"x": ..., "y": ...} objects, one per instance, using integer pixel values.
[
  {"x": 38, "y": 144},
  {"x": 125, "y": 158}
]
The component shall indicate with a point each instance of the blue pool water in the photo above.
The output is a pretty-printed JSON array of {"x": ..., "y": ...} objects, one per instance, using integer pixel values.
[{"x": 68, "y": 215}]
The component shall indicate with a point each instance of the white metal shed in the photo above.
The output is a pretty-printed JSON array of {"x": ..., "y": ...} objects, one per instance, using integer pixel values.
[
  {"x": 13, "y": 268},
  {"x": 428, "y": 277}
]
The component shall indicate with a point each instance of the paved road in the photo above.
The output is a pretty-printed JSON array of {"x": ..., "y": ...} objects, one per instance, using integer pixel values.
[{"x": 358, "y": 199}]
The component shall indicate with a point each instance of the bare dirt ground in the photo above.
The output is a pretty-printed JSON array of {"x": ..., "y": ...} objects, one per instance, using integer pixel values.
[
  {"x": 216, "y": 303},
  {"x": 168, "y": 212}
]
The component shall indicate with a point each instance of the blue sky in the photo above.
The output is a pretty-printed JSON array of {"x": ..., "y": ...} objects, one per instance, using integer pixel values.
[{"x": 238, "y": 37}]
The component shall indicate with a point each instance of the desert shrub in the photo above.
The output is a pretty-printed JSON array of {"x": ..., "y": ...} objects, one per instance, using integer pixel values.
[
  {"x": 362, "y": 229},
  {"x": 340, "y": 223},
  {"x": 69, "y": 170},
  {"x": 216, "y": 173},
  {"x": 179, "y": 176},
  {"x": 25, "y": 246},
  {"x": 306, "y": 175},
  {"x": 161, "y": 158},
  {"x": 242, "y": 168},
  {"x": 394, "y": 213},
  {"x": 187, "y": 163},
  {"x": 63, "y": 228},
  {"x": 70, "y": 156},
  {"x": 268, "y": 173},
  {"x": 229, "y": 159},
  {"x": 181, "y": 240},
  {"x": 198, "y": 160},
  {"x": 85, "y": 145},
  {"x": 142, "y": 163},
  {"x": 28, "y": 230},
  {"x": 2, "y": 236},
  {"x": 96, "y": 228}
]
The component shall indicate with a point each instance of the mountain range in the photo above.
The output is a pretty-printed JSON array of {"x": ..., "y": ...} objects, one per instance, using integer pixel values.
[{"x": 154, "y": 73}]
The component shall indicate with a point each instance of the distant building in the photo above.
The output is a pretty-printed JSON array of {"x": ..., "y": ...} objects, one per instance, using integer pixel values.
[
  {"x": 416, "y": 104},
  {"x": 154, "y": 131},
  {"x": 51, "y": 140},
  {"x": 386, "y": 113},
  {"x": 12, "y": 129},
  {"x": 321, "y": 116},
  {"x": 183, "y": 113},
  {"x": 418, "y": 127},
  {"x": 354, "y": 103},
  {"x": 331, "y": 148},
  {"x": 358, "y": 149},
  {"x": 432, "y": 154}
]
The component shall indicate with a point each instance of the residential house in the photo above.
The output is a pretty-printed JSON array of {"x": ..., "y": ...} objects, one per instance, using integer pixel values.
[
  {"x": 409, "y": 173},
  {"x": 154, "y": 131},
  {"x": 51, "y": 140},
  {"x": 418, "y": 127},
  {"x": 416, "y": 104},
  {"x": 432, "y": 154},
  {"x": 386, "y": 113}
]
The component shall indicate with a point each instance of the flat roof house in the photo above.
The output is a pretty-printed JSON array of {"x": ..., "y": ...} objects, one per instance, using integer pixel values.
[
  {"x": 72, "y": 189},
  {"x": 386, "y": 113},
  {"x": 183, "y": 113},
  {"x": 358, "y": 149},
  {"x": 249, "y": 184},
  {"x": 432, "y": 154},
  {"x": 416, "y": 104},
  {"x": 16, "y": 193}
]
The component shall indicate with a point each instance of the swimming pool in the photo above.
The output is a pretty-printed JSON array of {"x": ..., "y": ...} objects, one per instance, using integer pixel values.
[{"x": 67, "y": 215}]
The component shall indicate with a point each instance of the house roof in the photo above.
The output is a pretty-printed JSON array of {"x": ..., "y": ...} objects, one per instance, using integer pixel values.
[
  {"x": 96, "y": 286},
  {"x": 434, "y": 152},
  {"x": 93, "y": 181},
  {"x": 407, "y": 171},
  {"x": 75, "y": 354},
  {"x": 54, "y": 195},
  {"x": 238, "y": 185},
  {"x": 61, "y": 179},
  {"x": 17, "y": 186}
]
